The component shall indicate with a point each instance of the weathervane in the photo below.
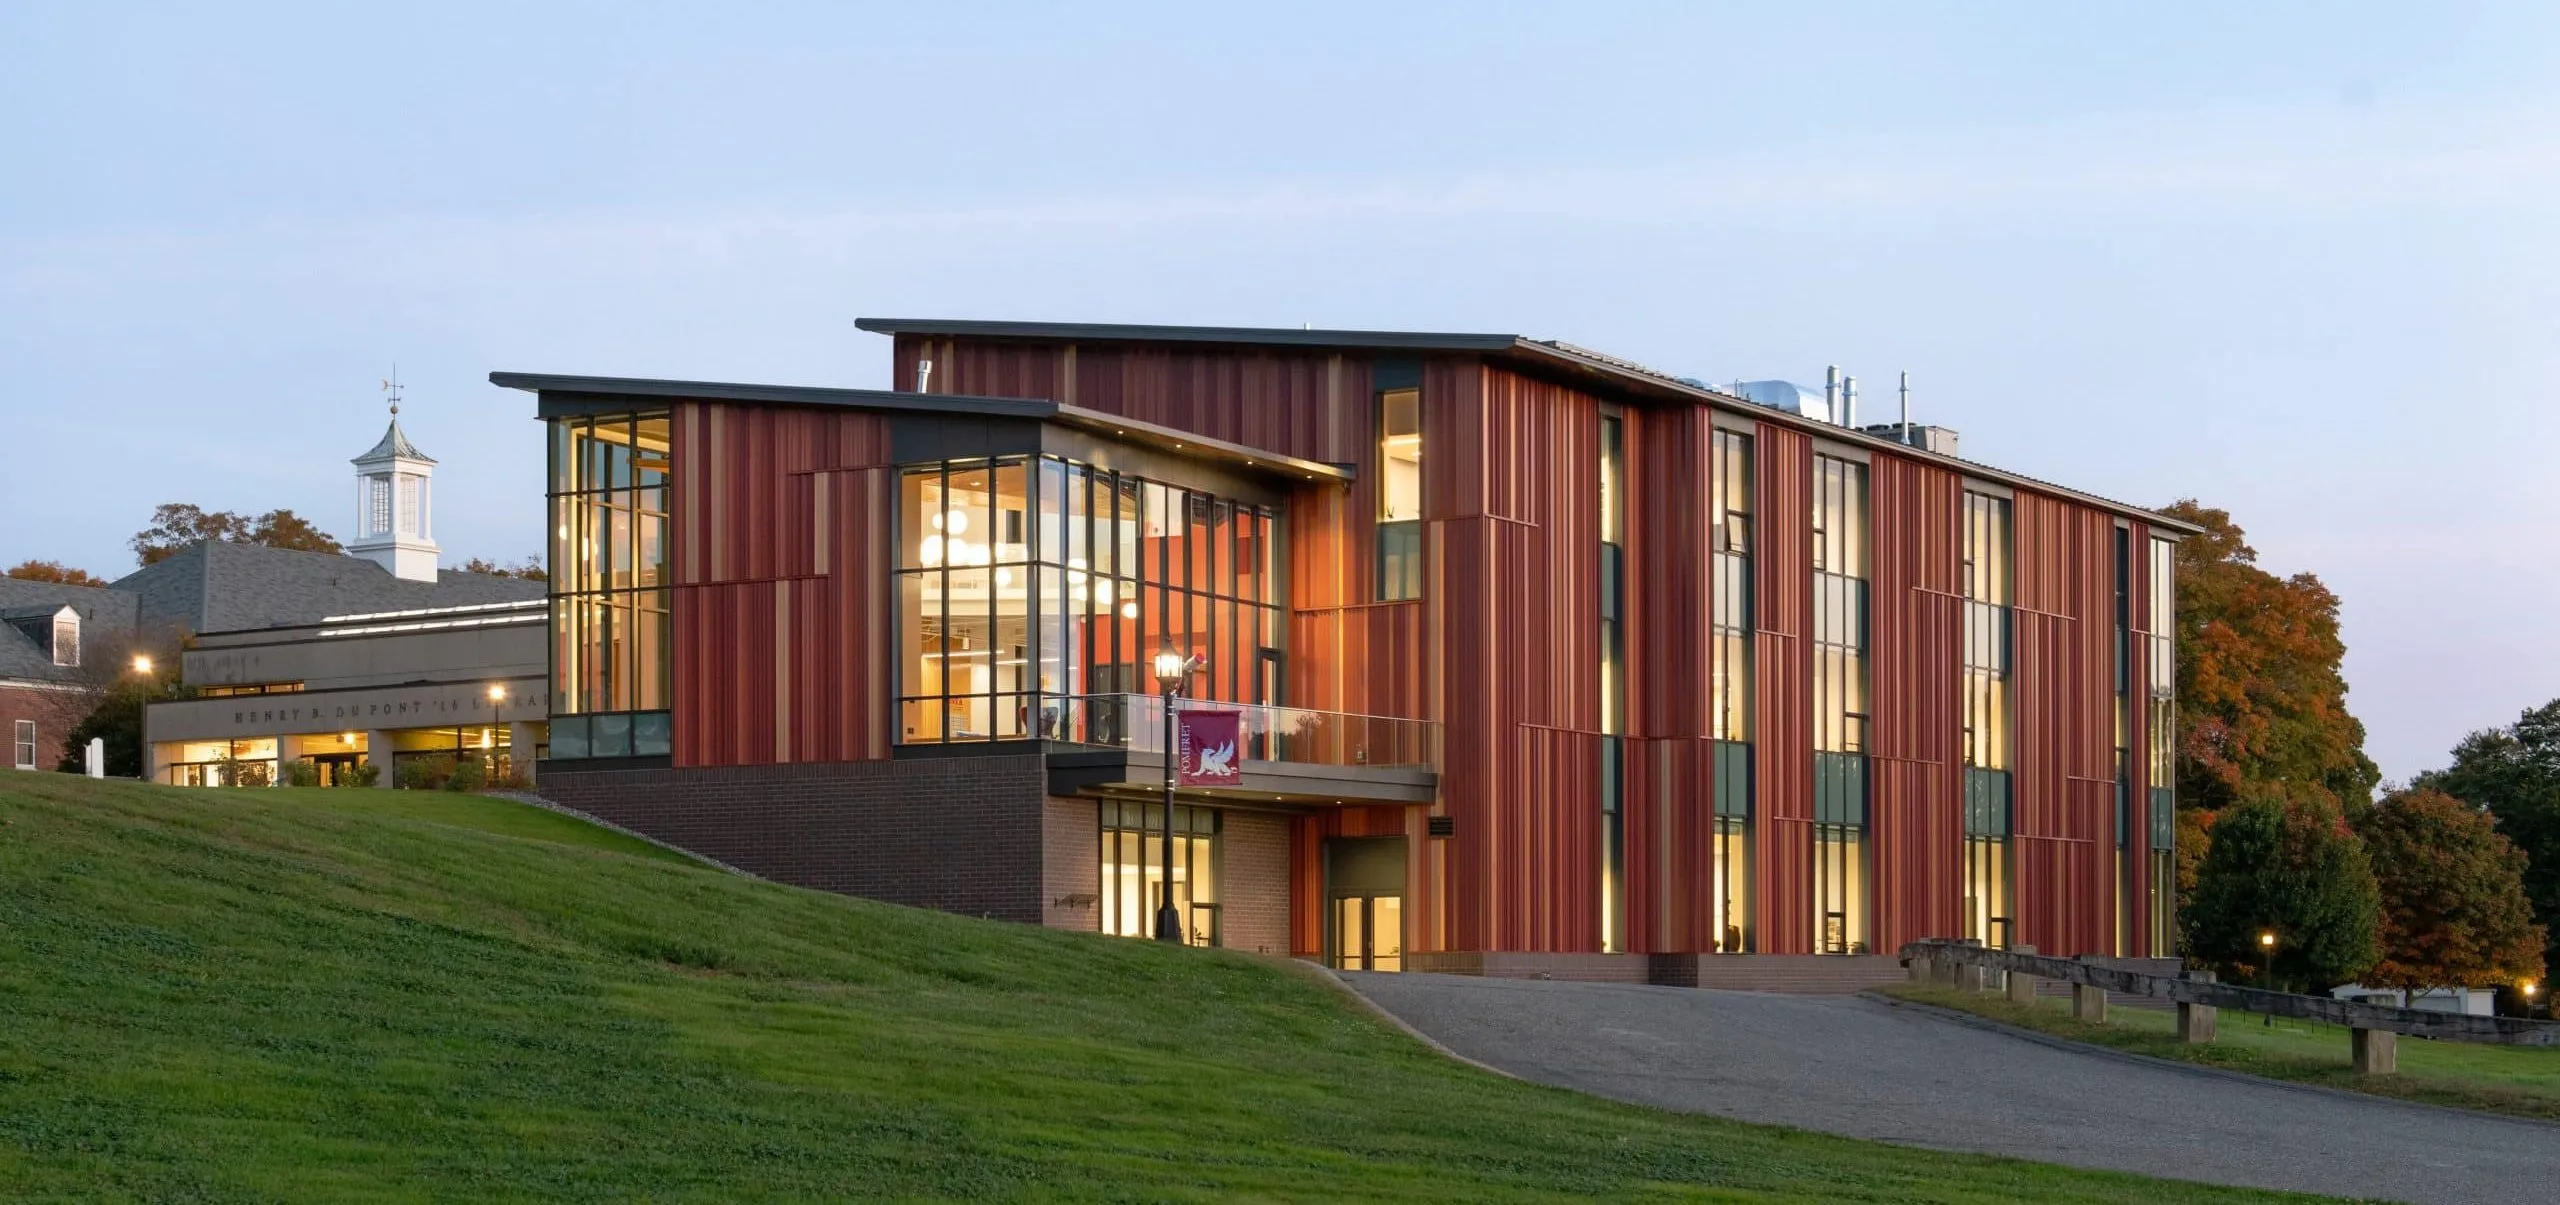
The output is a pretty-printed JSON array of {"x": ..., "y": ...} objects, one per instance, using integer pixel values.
[{"x": 392, "y": 386}]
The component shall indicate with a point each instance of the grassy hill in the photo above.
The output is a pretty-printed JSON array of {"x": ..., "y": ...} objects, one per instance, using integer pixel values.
[{"x": 362, "y": 996}]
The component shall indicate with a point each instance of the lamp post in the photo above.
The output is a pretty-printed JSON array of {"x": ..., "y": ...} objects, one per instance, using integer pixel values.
[
  {"x": 497, "y": 720},
  {"x": 1172, "y": 670},
  {"x": 2530, "y": 991},
  {"x": 142, "y": 734},
  {"x": 2267, "y": 968}
]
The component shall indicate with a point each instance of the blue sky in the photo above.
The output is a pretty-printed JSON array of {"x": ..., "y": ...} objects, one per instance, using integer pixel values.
[{"x": 2300, "y": 261}]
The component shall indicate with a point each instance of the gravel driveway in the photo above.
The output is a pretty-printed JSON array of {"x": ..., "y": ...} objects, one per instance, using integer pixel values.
[{"x": 1847, "y": 1065}]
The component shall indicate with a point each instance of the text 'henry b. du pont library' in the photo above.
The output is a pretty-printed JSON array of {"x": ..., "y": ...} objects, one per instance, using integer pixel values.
[{"x": 1547, "y": 662}]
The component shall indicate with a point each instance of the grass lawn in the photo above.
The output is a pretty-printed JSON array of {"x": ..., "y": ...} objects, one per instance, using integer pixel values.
[
  {"x": 387, "y": 996},
  {"x": 2520, "y": 1080}
]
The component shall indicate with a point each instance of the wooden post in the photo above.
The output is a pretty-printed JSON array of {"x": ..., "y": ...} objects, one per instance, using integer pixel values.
[
  {"x": 2195, "y": 1021},
  {"x": 2377, "y": 1052},
  {"x": 2088, "y": 1003},
  {"x": 2022, "y": 986}
]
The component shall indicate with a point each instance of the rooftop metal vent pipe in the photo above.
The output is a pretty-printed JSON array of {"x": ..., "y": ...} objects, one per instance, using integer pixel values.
[
  {"x": 1847, "y": 414},
  {"x": 1831, "y": 393}
]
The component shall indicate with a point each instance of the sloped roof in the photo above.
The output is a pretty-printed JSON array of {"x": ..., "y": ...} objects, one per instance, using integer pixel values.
[
  {"x": 223, "y": 587},
  {"x": 395, "y": 442},
  {"x": 105, "y": 614}
]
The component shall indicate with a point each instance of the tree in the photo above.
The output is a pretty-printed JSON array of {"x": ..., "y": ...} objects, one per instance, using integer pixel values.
[
  {"x": 2514, "y": 773},
  {"x": 530, "y": 569},
  {"x": 2261, "y": 698},
  {"x": 2290, "y": 867},
  {"x": 54, "y": 571},
  {"x": 175, "y": 526},
  {"x": 116, "y": 718},
  {"x": 2454, "y": 912}
]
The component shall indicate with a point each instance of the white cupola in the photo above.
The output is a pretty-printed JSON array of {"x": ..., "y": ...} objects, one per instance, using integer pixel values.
[{"x": 394, "y": 504}]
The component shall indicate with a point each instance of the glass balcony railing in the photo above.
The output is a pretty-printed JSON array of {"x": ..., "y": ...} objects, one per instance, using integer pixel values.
[{"x": 1276, "y": 734}]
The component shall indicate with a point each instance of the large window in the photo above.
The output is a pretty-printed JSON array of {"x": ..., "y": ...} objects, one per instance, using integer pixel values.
[
  {"x": 1133, "y": 870},
  {"x": 1729, "y": 538},
  {"x": 1613, "y": 683},
  {"x": 26, "y": 745},
  {"x": 1399, "y": 495},
  {"x": 1987, "y": 586},
  {"x": 1027, "y": 583},
  {"x": 2128, "y": 885},
  {"x": 2163, "y": 730},
  {"x": 1840, "y": 710},
  {"x": 612, "y": 645}
]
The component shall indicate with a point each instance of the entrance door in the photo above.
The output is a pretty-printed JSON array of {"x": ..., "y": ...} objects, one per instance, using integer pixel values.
[
  {"x": 1368, "y": 932},
  {"x": 1364, "y": 903}
]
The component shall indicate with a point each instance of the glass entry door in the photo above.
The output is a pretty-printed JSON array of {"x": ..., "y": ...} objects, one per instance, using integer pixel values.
[{"x": 1368, "y": 933}]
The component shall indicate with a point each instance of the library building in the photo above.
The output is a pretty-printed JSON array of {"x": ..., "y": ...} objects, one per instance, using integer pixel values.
[{"x": 1402, "y": 651}]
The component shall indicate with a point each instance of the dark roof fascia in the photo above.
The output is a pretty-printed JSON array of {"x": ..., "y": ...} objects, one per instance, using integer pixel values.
[
  {"x": 1171, "y": 439},
  {"x": 1247, "y": 336},
  {"x": 571, "y": 395}
]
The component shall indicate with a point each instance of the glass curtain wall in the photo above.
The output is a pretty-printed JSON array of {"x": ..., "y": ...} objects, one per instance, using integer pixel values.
[
  {"x": 1987, "y": 585},
  {"x": 1729, "y": 688},
  {"x": 2163, "y": 725},
  {"x": 612, "y": 644},
  {"x": 2127, "y": 882},
  {"x": 1027, "y": 581},
  {"x": 1613, "y": 683},
  {"x": 1840, "y": 712},
  {"x": 1133, "y": 869}
]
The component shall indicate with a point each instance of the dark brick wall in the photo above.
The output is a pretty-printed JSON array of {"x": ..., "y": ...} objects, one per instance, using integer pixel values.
[
  {"x": 1253, "y": 901},
  {"x": 1071, "y": 858},
  {"x": 962, "y": 834}
]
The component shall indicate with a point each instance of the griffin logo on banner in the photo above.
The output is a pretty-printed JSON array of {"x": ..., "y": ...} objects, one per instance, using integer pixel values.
[{"x": 1209, "y": 741}]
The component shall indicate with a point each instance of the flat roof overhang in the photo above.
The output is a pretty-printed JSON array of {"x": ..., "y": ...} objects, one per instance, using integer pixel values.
[
  {"x": 1090, "y": 770},
  {"x": 566, "y": 396}
]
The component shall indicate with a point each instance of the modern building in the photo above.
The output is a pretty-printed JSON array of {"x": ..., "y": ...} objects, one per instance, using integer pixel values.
[
  {"x": 1547, "y": 660},
  {"x": 375, "y": 656}
]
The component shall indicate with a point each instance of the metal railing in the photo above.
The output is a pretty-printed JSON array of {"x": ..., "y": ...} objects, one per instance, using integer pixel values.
[{"x": 1274, "y": 734}]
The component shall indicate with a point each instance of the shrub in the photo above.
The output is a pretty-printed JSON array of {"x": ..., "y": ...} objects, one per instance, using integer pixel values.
[
  {"x": 468, "y": 776},
  {"x": 425, "y": 773},
  {"x": 301, "y": 773},
  {"x": 359, "y": 774}
]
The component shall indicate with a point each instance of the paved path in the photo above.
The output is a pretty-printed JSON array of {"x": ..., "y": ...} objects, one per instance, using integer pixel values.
[{"x": 1872, "y": 1070}]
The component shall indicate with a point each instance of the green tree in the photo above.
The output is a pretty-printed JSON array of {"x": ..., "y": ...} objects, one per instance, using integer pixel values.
[
  {"x": 2514, "y": 773},
  {"x": 177, "y": 525},
  {"x": 2293, "y": 868},
  {"x": 32, "y": 570},
  {"x": 117, "y": 718},
  {"x": 2454, "y": 912}
]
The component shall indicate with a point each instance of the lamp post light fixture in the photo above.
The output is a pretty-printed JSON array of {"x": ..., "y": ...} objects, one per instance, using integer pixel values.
[
  {"x": 142, "y": 664},
  {"x": 1172, "y": 671},
  {"x": 2267, "y": 968},
  {"x": 2531, "y": 990}
]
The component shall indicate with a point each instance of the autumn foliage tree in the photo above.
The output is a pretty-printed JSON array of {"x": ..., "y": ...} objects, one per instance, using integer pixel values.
[
  {"x": 2262, "y": 701},
  {"x": 53, "y": 571},
  {"x": 530, "y": 568},
  {"x": 2514, "y": 773},
  {"x": 177, "y": 525},
  {"x": 2454, "y": 912}
]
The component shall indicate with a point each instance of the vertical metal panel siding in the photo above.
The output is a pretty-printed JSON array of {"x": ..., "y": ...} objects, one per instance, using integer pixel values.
[
  {"x": 1668, "y": 623},
  {"x": 2138, "y": 735},
  {"x": 780, "y": 585},
  {"x": 1915, "y": 610},
  {"x": 1296, "y": 403},
  {"x": 1782, "y": 672},
  {"x": 2063, "y": 773},
  {"x": 1511, "y": 496}
]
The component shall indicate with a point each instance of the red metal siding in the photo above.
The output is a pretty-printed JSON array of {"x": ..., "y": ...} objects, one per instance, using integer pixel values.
[
  {"x": 2063, "y": 777},
  {"x": 1314, "y": 405},
  {"x": 781, "y": 580},
  {"x": 1916, "y": 604},
  {"x": 1668, "y": 626},
  {"x": 1511, "y": 500},
  {"x": 1782, "y": 695}
]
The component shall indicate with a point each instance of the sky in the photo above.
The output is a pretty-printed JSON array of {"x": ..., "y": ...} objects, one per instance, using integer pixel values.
[{"x": 2299, "y": 262}]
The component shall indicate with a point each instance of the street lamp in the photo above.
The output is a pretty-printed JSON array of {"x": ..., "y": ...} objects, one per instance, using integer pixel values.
[
  {"x": 2530, "y": 991},
  {"x": 2267, "y": 968},
  {"x": 142, "y": 664},
  {"x": 1172, "y": 670}
]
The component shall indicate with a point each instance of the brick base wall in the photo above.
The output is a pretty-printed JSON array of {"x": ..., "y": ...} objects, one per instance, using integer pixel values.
[
  {"x": 1071, "y": 864},
  {"x": 1253, "y": 900},
  {"x": 962, "y": 834}
]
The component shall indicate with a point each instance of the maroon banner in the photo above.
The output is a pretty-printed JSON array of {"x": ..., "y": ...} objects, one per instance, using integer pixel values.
[{"x": 1212, "y": 748}]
